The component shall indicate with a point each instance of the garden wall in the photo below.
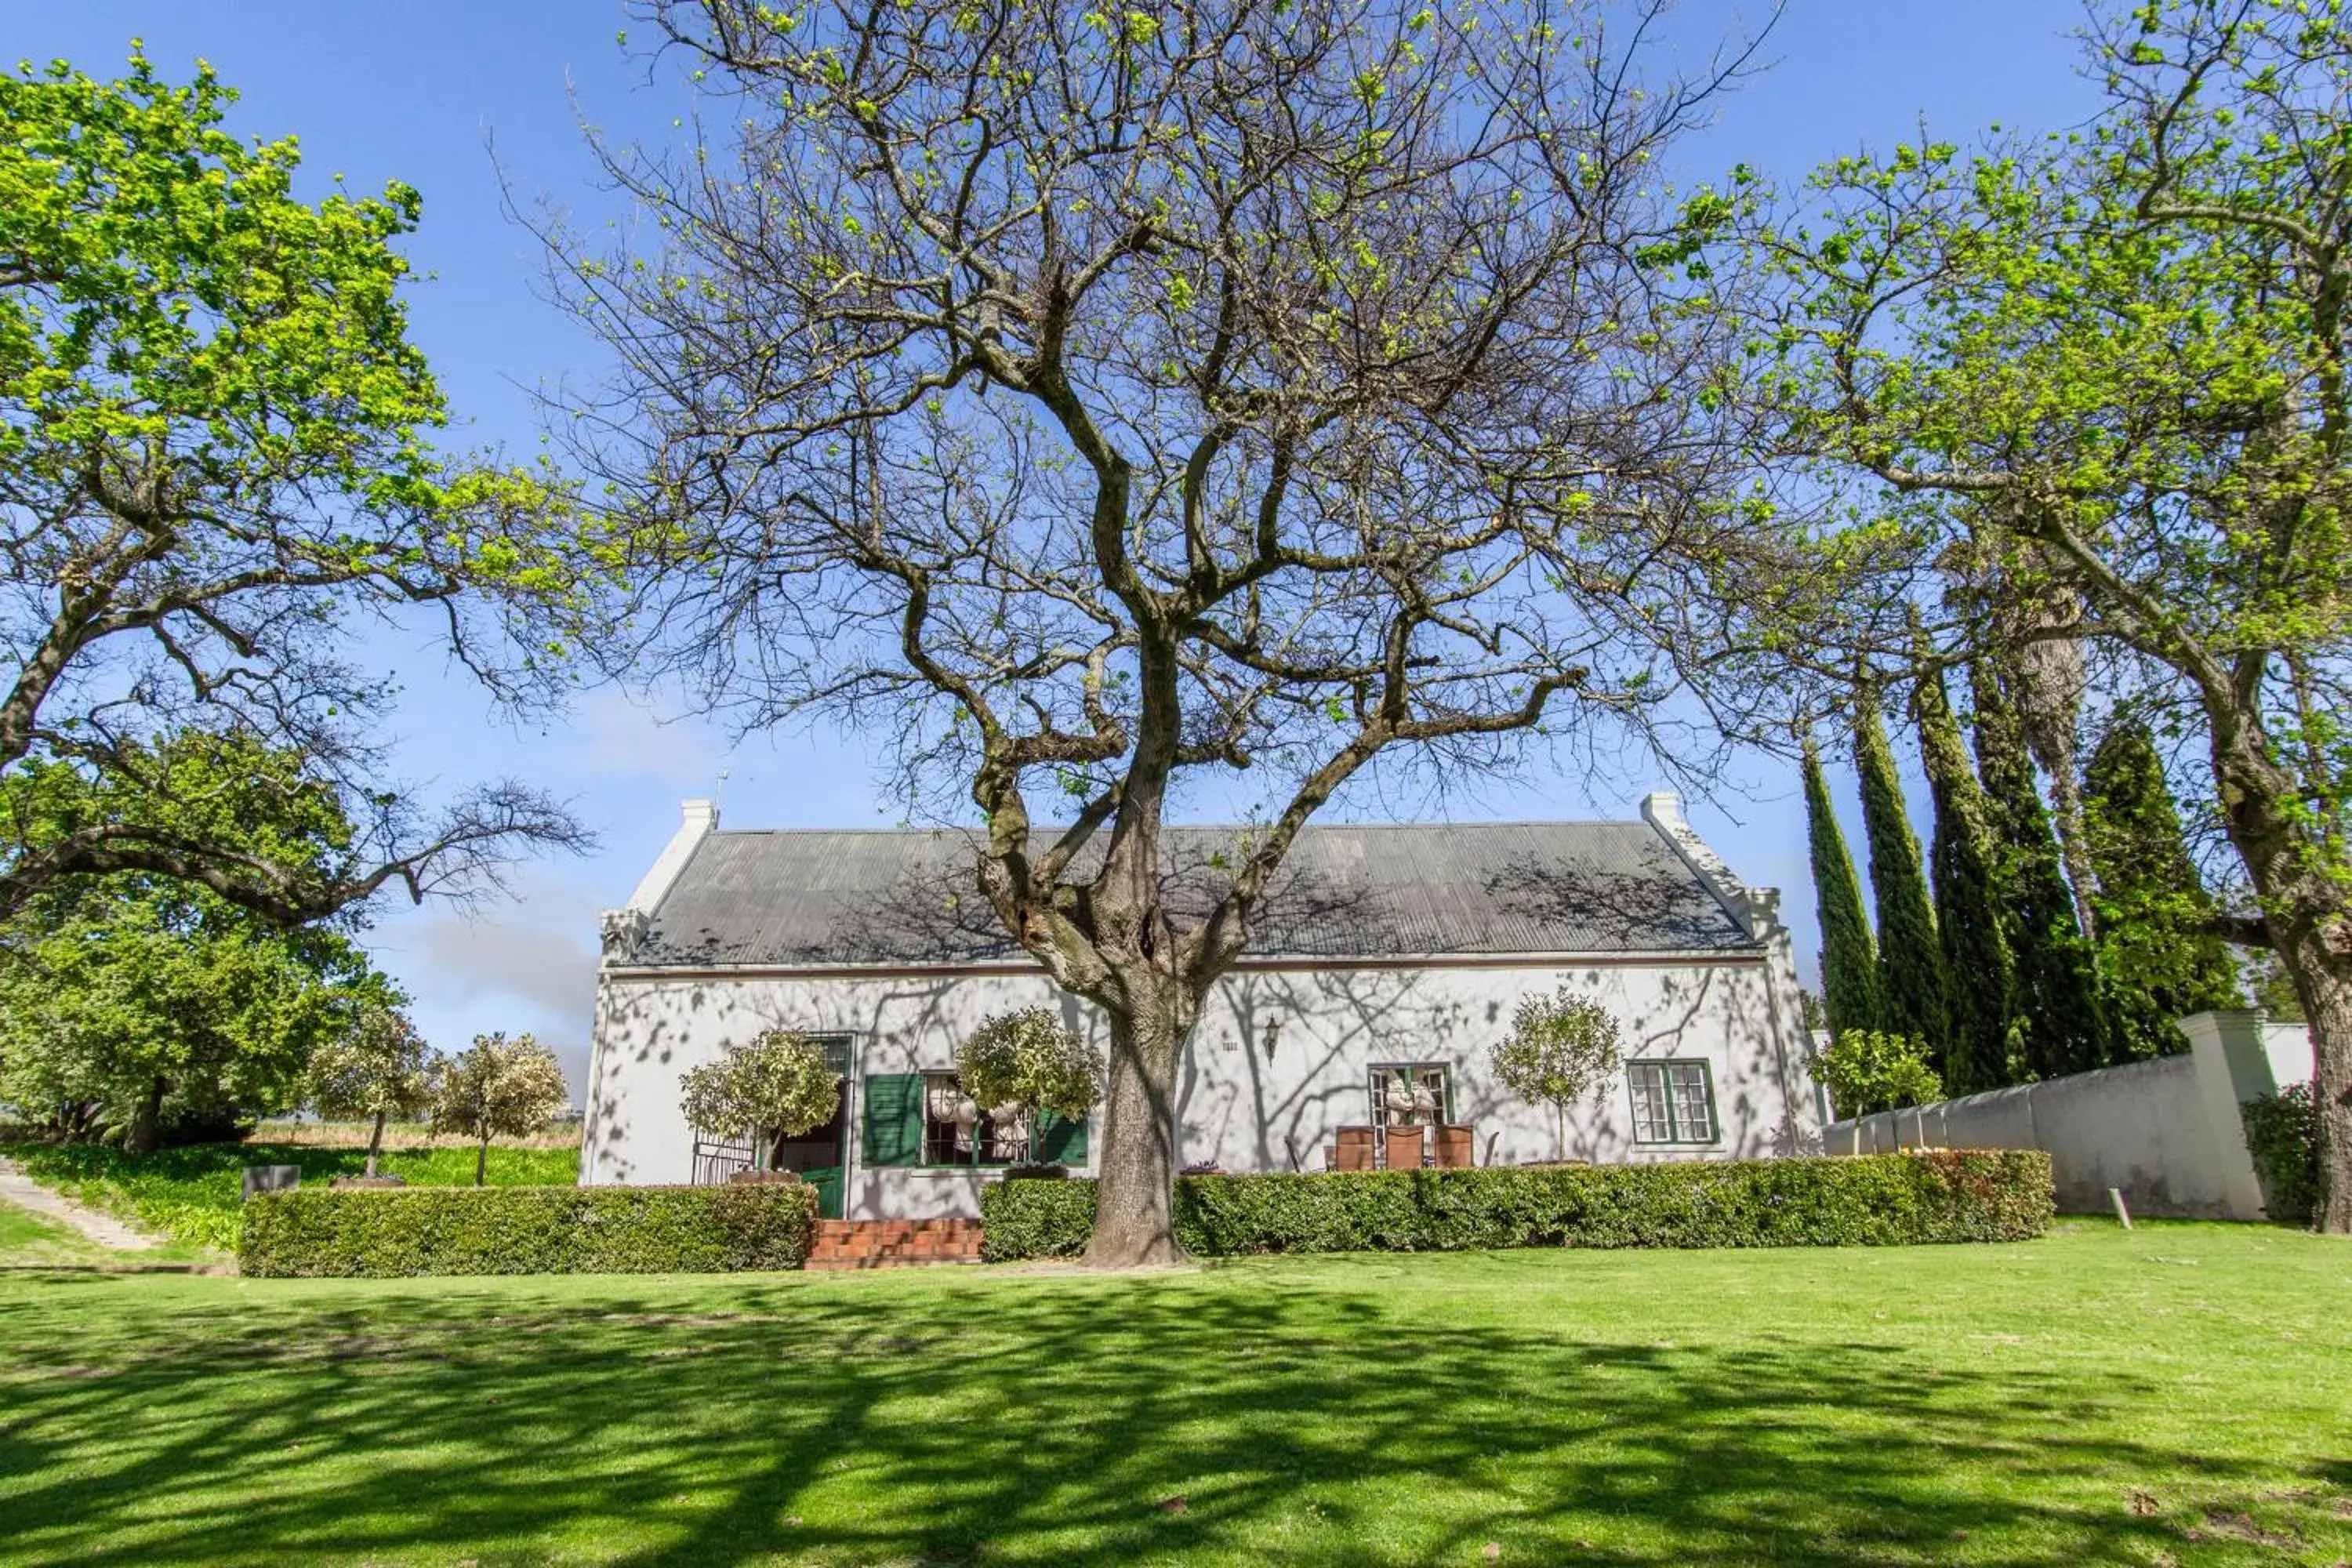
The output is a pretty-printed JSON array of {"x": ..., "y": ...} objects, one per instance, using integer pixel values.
[{"x": 2167, "y": 1133}]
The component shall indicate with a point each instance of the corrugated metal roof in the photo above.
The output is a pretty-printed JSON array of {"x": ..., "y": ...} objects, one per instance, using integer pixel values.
[{"x": 824, "y": 898}]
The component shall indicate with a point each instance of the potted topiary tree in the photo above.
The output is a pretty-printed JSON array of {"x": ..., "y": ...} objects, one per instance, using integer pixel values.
[
  {"x": 779, "y": 1086},
  {"x": 1560, "y": 1048},
  {"x": 1025, "y": 1062}
]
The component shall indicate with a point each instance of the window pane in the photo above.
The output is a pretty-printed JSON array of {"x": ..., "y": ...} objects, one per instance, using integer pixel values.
[
  {"x": 1694, "y": 1117},
  {"x": 1409, "y": 1094},
  {"x": 949, "y": 1119},
  {"x": 1653, "y": 1122}
]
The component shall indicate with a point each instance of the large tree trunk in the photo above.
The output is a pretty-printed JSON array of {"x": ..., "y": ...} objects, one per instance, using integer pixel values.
[
  {"x": 1135, "y": 1217},
  {"x": 147, "y": 1120},
  {"x": 2299, "y": 877},
  {"x": 2321, "y": 971}
]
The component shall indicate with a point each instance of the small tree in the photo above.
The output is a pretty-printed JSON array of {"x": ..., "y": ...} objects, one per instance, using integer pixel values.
[
  {"x": 1027, "y": 1061},
  {"x": 1869, "y": 1070},
  {"x": 497, "y": 1088},
  {"x": 1560, "y": 1048},
  {"x": 377, "y": 1069},
  {"x": 779, "y": 1084}
]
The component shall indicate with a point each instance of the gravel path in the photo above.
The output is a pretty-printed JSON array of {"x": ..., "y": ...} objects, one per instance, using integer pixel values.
[{"x": 102, "y": 1228}]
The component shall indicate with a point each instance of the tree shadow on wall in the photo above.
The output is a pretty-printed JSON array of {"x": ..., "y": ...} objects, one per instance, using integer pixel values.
[{"x": 696, "y": 1422}]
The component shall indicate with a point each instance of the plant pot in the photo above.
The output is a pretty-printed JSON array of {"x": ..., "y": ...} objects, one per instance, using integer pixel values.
[
  {"x": 1353, "y": 1149},
  {"x": 1402, "y": 1146},
  {"x": 1456, "y": 1147}
]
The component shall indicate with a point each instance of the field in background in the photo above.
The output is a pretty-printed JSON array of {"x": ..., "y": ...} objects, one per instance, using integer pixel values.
[
  {"x": 194, "y": 1196},
  {"x": 405, "y": 1134},
  {"x": 2176, "y": 1395}
]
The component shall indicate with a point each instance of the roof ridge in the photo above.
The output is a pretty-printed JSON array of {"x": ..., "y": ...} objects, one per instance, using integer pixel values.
[{"x": 1209, "y": 826}]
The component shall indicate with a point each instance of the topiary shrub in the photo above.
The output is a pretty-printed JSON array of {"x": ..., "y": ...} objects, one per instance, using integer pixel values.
[
  {"x": 380, "y": 1234},
  {"x": 779, "y": 1084},
  {"x": 1560, "y": 1048},
  {"x": 1867, "y": 1070},
  {"x": 2283, "y": 1136},
  {"x": 1935, "y": 1196}
]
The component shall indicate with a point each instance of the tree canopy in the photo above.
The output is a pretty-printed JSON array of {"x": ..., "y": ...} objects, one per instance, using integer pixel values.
[
  {"x": 214, "y": 460},
  {"x": 134, "y": 997},
  {"x": 2107, "y": 370},
  {"x": 1284, "y": 394}
]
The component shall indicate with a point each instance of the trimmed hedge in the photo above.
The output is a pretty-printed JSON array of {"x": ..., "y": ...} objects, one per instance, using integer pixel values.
[
  {"x": 1874, "y": 1200},
  {"x": 383, "y": 1234}
]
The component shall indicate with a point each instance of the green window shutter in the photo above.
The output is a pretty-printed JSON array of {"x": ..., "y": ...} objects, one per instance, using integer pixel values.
[
  {"x": 892, "y": 1108},
  {"x": 1060, "y": 1140}
]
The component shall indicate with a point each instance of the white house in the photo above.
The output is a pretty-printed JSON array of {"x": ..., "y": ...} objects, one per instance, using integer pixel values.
[{"x": 1387, "y": 959}]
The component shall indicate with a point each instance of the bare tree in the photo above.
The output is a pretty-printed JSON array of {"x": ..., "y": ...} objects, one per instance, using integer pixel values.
[{"x": 1094, "y": 401}]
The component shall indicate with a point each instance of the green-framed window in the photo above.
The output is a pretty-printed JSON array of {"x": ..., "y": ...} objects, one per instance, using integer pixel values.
[
  {"x": 1674, "y": 1101},
  {"x": 925, "y": 1120}
]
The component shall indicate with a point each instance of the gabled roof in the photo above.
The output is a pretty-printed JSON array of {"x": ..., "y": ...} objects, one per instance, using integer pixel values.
[{"x": 827, "y": 899}]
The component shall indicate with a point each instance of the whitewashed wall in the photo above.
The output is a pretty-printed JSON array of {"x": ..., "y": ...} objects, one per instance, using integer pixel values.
[
  {"x": 1277, "y": 1063},
  {"x": 2166, "y": 1133}
]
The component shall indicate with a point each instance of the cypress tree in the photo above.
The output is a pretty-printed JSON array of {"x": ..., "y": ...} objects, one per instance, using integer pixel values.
[
  {"x": 1968, "y": 920},
  {"x": 1910, "y": 964},
  {"x": 2055, "y": 1008},
  {"x": 1849, "y": 964},
  {"x": 2156, "y": 960}
]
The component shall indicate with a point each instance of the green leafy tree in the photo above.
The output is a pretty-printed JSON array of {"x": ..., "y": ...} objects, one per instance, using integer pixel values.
[
  {"x": 132, "y": 1000},
  {"x": 1910, "y": 959},
  {"x": 1026, "y": 1060},
  {"x": 1869, "y": 1071},
  {"x": 2116, "y": 366},
  {"x": 2159, "y": 959},
  {"x": 1968, "y": 914},
  {"x": 214, "y": 464},
  {"x": 2056, "y": 1021},
  {"x": 1849, "y": 957},
  {"x": 780, "y": 1085},
  {"x": 497, "y": 1088},
  {"x": 1561, "y": 1050},
  {"x": 378, "y": 1068}
]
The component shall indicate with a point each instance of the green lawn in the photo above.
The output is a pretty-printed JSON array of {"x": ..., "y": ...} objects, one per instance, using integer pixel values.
[
  {"x": 2182, "y": 1394},
  {"x": 193, "y": 1196},
  {"x": 28, "y": 1240}
]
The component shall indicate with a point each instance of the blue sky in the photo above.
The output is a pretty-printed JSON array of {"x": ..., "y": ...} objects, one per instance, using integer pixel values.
[{"x": 423, "y": 92}]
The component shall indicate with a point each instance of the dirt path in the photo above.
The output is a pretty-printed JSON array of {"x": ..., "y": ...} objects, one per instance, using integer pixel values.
[{"x": 102, "y": 1228}]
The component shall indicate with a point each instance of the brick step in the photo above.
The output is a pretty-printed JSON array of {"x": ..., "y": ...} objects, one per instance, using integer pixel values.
[{"x": 893, "y": 1243}]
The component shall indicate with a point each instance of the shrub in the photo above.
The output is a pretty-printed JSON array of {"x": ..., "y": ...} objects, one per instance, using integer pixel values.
[
  {"x": 2283, "y": 1136},
  {"x": 1938, "y": 1195},
  {"x": 385, "y": 1234},
  {"x": 1868, "y": 1071},
  {"x": 1027, "y": 1061},
  {"x": 780, "y": 1083}
]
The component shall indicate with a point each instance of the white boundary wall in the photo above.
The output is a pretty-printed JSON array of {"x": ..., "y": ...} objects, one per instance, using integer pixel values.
[{"x": 2167, "y": 1133}]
